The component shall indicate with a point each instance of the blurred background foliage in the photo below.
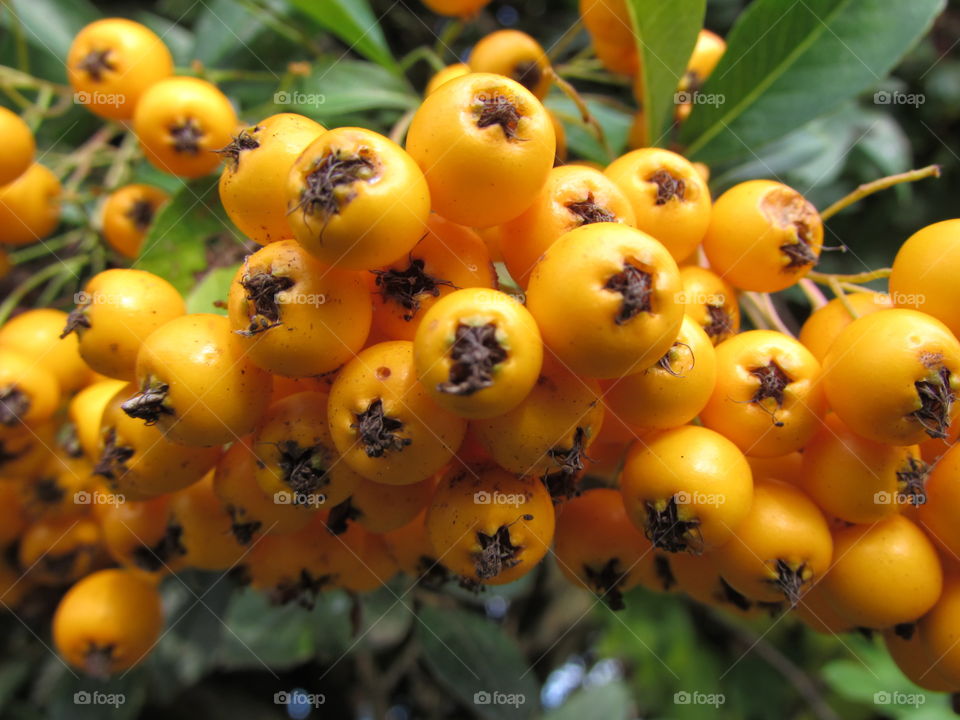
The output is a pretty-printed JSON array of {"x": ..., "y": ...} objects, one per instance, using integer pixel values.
[{"x": 408, "y": 652}]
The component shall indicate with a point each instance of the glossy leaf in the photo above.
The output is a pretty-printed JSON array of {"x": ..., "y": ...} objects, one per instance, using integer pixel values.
[
  {"x": 479, "y": 663},
  {"x": 788, "y": 62},
  {"x": 354, "y": 23},
  {"x": 611, "y": 702},
  {"x": 176, "y": 246},
  {"x": 210, "y": 293},
  {"x": 340, "y": 87},
  {"x": 48, "y": 25},
  {"x": 666, "y": 33}
]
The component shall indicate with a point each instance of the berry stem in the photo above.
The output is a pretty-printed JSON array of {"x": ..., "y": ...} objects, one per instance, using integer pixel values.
[
  {"x": 71, "y": 265},
  {"x": 763, "y": 313},
  {"x": 769, "y": 310},
  {"x": 864, "y": 277},
  {"x": 424, "y": 53},
  {"x": 813, "y": 294},
  {"x": 571, "y": 92},
  {"x": 875, "y": 186},
  {"x": 399, "y": 130},
  {"x": 837, "y": 288}
]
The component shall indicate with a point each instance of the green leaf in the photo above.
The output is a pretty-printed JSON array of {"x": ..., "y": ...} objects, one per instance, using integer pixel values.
[
  {"x": 222, "y": 27},
  {"x": 807, "y": 158},
  {"x": 354, "y": 23},
  {"x": 194, "y": 602},
  {"x": 78, "y": 697},
  {"x": 13, "y": 673},
  {"x": 479, "y": 663},
  {"x": 176, "y": 246},
  {"x": 885, "y": 143},
  {"x": 666, "y": 33},
  {"x": 581, "y": 142},
  {"x": 339, "y": 87},
  {"x": 178, "y": 38},
  {"x": 210, "y": 293},
  {"x": 611, "y": 702},
  {"x": 261, "y": 636},
  {"x": 48, "y": 26},
  {"x": 788, "y": 62}
]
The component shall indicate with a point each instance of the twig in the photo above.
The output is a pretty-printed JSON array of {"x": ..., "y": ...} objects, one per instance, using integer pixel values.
[
  {"x": 801, "y": 682},
  {"x": 816, "y": 298},
  {"x": 36, "y": 280},
  {"x": 121, "y": 162},
  {"x": 371, "y": 688},
  {"x": 448, "y": 37},
  {"x": 864, "y": 277},
  {"x": 564, "y": 42},
  {"x": 11, "y": 77},
  {"x": 754, "y": 312},
  {"x": 422, "y": 53},
  {"x": 83, "y": 156},
  {"x": 882, "y": 184},
  {"x": 31, "y": 252},
  {"x": 571, "y": 92},
  {"x": 838, "y": 292},
  {"x": 399, "y": 130},
  {"x": 766, "y": 302}
]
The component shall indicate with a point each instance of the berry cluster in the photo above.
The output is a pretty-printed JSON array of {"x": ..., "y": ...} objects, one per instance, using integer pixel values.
[{"x": 454, "y": 357}]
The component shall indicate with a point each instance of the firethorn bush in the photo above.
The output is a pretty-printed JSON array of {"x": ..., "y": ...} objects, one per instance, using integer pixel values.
[{"x": 475, "y": 359}]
